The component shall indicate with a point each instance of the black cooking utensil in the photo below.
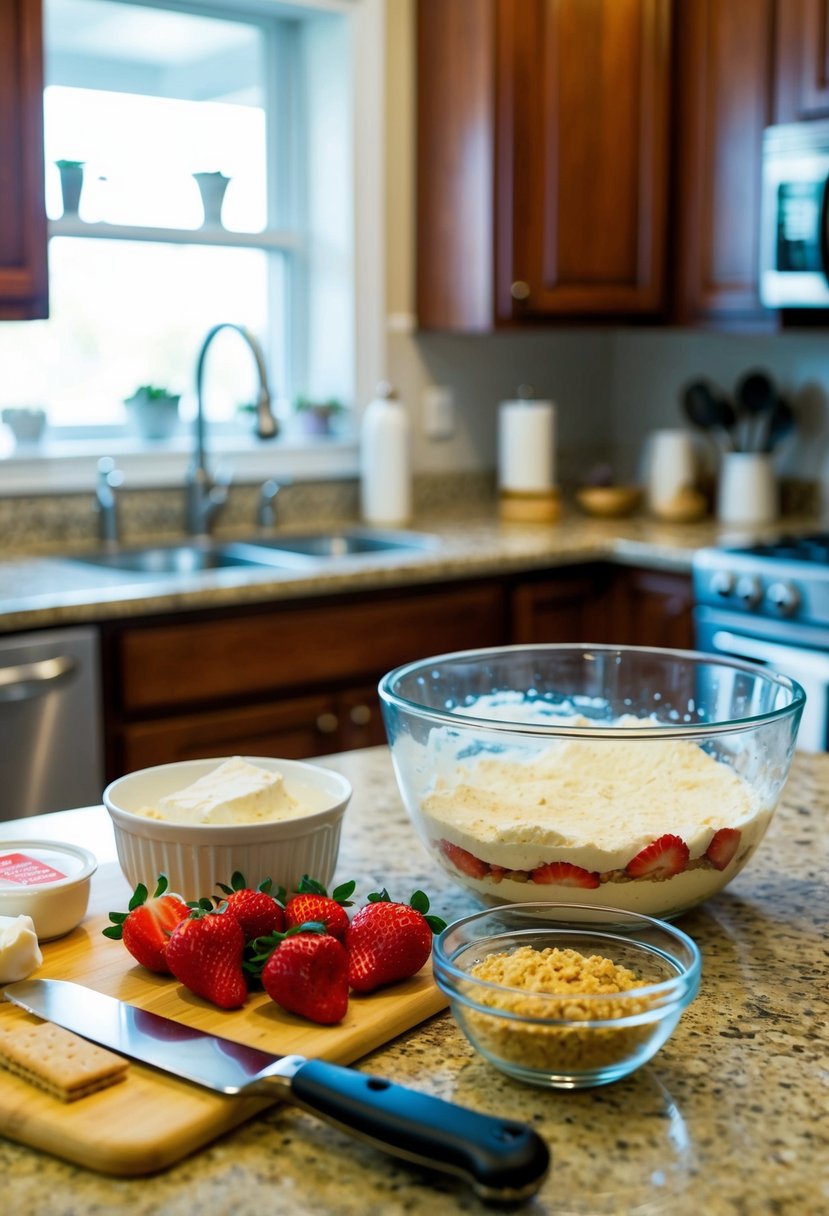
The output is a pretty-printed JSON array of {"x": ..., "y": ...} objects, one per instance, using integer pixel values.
[
  {"x": 757, "y": 397},
  {"x": 781, "y": 424},
  {"x": 708, "y": 411}
]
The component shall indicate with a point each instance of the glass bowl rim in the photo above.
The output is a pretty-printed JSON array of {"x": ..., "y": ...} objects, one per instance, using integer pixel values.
[
  {"x": 389, "y": 697},
  {"x": 679, "y": 986}
]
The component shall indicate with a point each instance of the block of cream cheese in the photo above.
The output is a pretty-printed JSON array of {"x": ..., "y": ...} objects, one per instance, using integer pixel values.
[
  {"x": 234, "y": 792},
  {"x": 19, "y": 949}
]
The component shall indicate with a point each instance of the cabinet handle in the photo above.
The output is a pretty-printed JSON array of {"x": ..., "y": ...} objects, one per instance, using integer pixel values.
[
  {"x": 520, "y": 290},
  {"x": 360, "y": 715},
  {"x": 327, "y": 723}
]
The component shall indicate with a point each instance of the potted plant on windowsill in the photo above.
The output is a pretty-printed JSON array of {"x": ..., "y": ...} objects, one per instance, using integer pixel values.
[
  {"x": 153, "y": 411},
  {"x": 71, "y": 184},
  {"x": 317, "y": 416}
]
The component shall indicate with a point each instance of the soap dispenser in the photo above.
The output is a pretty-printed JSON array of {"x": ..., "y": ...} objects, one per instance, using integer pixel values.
[{"x": 385, "y": 460}]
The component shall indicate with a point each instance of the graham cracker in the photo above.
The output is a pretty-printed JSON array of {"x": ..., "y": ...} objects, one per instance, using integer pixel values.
[{"x": 58, "y": 1061}]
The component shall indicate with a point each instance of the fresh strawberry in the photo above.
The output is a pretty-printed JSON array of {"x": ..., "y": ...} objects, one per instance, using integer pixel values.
[
  {"x": 565, "y": 874},
  {"x": 205, "y": 954},
  {"x": 257, "y": 911},
  {"x": 307, "y": 974},
  {"x": 724, "y": 844},
  {"x": 313, "y": 903},
  {"x": 662, "y": 858},
  {"x": 146, "y": 926},
  {"x": 389, "y": 941},
  {"x": 463, "y": 860}
]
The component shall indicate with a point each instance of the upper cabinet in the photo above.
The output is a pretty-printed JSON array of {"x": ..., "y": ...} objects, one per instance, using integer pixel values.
[
  {"x": 591, "y": 159},
  {"x": 723, "y": 101},
  {"x": 802, "y": 63},
  {"x": 543, "y": 129},
  {"x": 23, "y": 266}
]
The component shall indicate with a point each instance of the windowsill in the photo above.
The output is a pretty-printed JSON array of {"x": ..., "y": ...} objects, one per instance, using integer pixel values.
[{"x": 69, "y": 466}]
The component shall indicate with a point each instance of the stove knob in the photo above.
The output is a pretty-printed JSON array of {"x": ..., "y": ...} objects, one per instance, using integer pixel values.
[
  {"x": 783, "y": 598},
  {"x": 749, "y": 590},
  {"x": 722, "y": 583}
]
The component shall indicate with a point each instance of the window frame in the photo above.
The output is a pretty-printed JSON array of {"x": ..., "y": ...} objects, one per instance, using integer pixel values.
[{"x": 70, "y": 463}]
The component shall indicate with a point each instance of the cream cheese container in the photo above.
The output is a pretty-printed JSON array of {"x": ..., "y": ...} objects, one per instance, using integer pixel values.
[{"x": 48, "y": 881}]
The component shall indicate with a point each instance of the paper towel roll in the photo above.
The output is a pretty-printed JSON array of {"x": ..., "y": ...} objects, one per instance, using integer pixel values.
[{"x": 526, "y": 446}]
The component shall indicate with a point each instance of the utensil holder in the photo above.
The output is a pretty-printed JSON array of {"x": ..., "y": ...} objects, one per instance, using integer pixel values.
[{"x": 747, "y": 491}]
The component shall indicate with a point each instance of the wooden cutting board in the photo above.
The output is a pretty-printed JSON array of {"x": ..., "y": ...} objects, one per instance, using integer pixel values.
[{"x": 152, "y": 1120}]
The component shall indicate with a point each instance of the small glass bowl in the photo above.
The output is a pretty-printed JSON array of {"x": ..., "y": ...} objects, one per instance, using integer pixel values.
[{"x": 569, "y": 1040}]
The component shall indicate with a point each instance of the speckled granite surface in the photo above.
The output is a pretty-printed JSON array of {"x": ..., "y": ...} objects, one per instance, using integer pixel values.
[
  {"x": 729, "y": 1119},
  {"x": 39, "y": 588}
]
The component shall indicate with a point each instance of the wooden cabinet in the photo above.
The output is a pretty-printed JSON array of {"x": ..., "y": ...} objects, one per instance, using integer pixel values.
[
  {"x": 724, "y": 99},
  {"x": 293, "y": 680},
  {"x": 567, "y": 605},
  {"x": 802, "y": 61},
  {"x": 542, "y": 129},
  {"x": 23, "y": 266},
  {"x": 652, "y": 608},
  {"x": 617, "y": 605},
  {"x": 598, "y": 159}
]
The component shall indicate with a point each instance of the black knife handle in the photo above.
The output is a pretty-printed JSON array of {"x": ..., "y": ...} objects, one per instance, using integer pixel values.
[{"x": 503, "y": 1160}]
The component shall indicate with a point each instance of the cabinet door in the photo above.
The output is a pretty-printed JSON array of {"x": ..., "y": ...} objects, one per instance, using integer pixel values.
[
  {"x": 653, "y": 608},
  {"x": 583, "y": 156},
  {"x": 542, "y": 154},
  {"x": 568, "y": 606},
  {"x": 802, "y": 63},
  {"x": 295, "y": 729},
  {"x": 23, "y": 272},
  {"x": 724, "y": 101}
]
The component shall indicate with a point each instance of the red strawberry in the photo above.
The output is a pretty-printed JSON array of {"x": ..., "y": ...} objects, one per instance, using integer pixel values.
[
  {"x": 565, "y": 874},
  {"x": 307, "y": 974},
  {"x": 462, "y": 860},
  {"x": 257, "y": 911},
  {"x": 724, "y": 844},
  {"x": 205, "y": 954},
  {"x": 388, "y": 941},
  {"x": 146, "y": 927},
  {"x": 313, "y": 903},
  {"x": 662, "y": 858}
]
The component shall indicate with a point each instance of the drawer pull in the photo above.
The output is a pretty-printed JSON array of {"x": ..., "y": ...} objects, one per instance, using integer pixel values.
[
  {"x": 327, "y": 723},
  {"x": 360, "y": 715}
]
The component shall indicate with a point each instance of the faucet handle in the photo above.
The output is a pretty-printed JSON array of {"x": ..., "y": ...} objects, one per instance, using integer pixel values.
[
  {"x": 266, "y": 510},
  {"x": 106, "y": 503}
]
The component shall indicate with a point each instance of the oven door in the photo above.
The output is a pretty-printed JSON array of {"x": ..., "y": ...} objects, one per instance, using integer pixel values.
[
  {"x": 794, "y": 261},
  {"x": 730, "y": 634}
]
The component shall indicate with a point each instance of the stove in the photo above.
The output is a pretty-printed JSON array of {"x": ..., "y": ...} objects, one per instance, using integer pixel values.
[{"x": 769, "y": 603}]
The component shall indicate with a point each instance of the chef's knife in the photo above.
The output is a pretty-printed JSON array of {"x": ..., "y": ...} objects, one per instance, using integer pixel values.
[{"x": 501, "y": 1159}]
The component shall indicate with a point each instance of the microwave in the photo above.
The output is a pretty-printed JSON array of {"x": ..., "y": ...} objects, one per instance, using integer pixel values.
[{"x": 794, "y": 243}]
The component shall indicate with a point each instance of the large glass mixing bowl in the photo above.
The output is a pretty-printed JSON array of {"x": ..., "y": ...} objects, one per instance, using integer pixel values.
[{"x": 635, "y": 778}]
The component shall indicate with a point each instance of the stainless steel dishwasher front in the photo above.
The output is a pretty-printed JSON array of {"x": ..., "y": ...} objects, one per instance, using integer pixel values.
[{"x": 51, "y": 731}]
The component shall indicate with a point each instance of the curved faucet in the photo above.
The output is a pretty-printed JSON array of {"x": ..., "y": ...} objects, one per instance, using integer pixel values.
[{"x": 205, "y": 498}]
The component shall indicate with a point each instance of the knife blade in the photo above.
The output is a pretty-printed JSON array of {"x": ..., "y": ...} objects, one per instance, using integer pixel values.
[{"x": 501, "y": 1159}]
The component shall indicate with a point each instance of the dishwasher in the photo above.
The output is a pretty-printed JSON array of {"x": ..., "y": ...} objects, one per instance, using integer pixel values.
[{"x": 51, "y": 726}]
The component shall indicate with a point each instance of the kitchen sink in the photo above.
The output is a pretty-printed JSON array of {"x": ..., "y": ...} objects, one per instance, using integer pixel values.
[
  {"x": 347, "y": 542},
  {"x": 292, "y": 552},
  {"x": 191, "y": 558}
]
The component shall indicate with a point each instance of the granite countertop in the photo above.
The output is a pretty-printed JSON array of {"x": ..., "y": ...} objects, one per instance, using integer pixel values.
[
  {"x": 729, "y": 1119},
  {"x": 41, "y": 590}
]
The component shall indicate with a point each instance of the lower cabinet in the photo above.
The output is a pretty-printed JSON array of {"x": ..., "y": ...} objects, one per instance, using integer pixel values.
[
  {"x": 626, "y": 606},
  {"x": 294, "y": 680},
  {"x": 300, "y": 679}
]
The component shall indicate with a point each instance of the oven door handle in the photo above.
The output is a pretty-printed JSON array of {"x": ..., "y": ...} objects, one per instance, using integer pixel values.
[{"x": 803, "y": 665}]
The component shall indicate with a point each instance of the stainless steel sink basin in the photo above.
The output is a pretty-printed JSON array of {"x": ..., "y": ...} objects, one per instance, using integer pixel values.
[
  {"x": 189, "y": 558},
  {"x": 288, "y": 552},
  {"x": 347, "y": 542}
]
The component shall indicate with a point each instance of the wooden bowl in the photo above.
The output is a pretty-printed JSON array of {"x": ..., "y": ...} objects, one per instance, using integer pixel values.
[{"x": 608, "y": 502}]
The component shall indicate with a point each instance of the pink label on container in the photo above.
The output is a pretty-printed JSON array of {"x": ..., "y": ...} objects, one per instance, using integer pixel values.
[{"x": 26, "y": 871}]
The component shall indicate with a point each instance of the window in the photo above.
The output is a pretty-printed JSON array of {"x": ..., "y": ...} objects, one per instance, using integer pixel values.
[{"x": 148, "y": 95}]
